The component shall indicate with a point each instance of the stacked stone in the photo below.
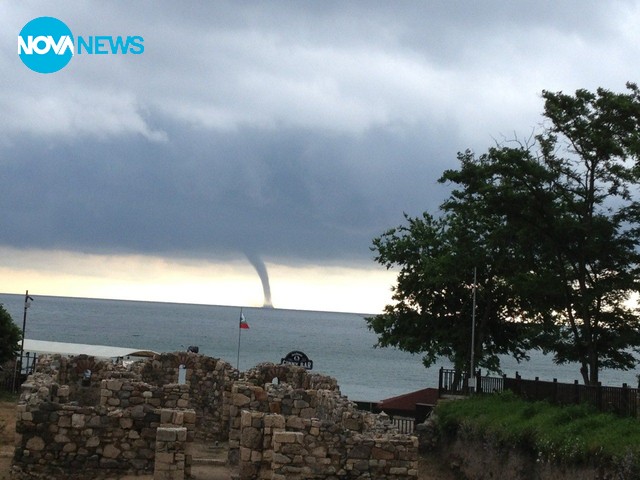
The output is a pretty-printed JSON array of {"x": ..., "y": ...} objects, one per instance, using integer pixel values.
[
  {"x": 278, "y": 399},
  {"x": 384, "y": 457},
  {"x": 174, "y": 444},
  {"x": 243, "y": 397},
  {"x": 209, "y": 383},
  {"x": 322, "y": 450},
  {"x": 55, "y": 434},
  {"x": 71, "y": 371},
  {"x": 295, "y": 376},
  {"x": 288, "y": 430},
  {"x": 175, "y": 395},
  {"x": 292, "y": 441},
  {"x": 252, "y": 444},
  {"x": 331, "y": 406},
  {"x": 118, "y": 434},
  {"x": 309, "y": 448}
]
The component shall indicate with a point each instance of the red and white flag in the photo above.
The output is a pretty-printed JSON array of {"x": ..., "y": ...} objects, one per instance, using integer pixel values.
[{"x": 243, "y": 322}]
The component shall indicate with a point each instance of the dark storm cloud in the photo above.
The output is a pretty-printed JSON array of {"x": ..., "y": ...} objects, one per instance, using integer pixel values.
[
  {"x": 281, "y": 194},
  {"x": 296, "y": 131}
]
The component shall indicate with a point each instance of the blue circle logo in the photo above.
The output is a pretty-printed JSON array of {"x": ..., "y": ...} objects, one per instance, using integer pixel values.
[{"x": 45, "y": 45}]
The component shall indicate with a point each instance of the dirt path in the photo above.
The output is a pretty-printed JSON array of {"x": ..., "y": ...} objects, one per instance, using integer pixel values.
[
  {"x": 7, "y": 431},
  {"x": 430, "y": 468}
]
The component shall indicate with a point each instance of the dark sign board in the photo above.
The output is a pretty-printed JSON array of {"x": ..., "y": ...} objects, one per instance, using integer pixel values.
[{"x": 297, "y": 358}]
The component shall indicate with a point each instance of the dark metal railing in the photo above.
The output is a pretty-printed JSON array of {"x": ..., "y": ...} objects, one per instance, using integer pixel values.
[{"x": 620, "y": 400}]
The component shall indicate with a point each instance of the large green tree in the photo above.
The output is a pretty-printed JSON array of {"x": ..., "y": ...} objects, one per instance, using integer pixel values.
[
  {"x": 10, "y": 336},
  {"x": 554, "y": 224},
  {"x": 433, "y": 309}
]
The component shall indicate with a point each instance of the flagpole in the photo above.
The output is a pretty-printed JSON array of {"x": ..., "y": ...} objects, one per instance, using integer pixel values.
[
  {"x": 239, "y": 333},
  {"x": 473, "y": 328}
]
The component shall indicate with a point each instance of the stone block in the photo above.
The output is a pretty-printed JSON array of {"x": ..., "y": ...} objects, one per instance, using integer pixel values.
[
  {"x": 398, "y": 471},
  {"x": 126, "y": 423},
  {"x": 280, "y": 459},
  {"x": 295, "y": 422},
  {"x": 240, "y": 400},
  {"x": 360, "y": 451},
  {"x": 251, "y": 438},
  {"x": 92, "y": 442},
  {"x": 166, "y": 416},
  {"x": 382, "y": 454},
  {"x": 114, "y": 385},
  {"x": 288, "y": 437},
  {"x": 189, "y": 417},
  {"x": 165, "y": 457},
  {"x": 110, "y": 451},
  {"x": 166, "y": 434},
  {"x": 61, "y": 438},
  {"x": 178, "y": 418},
  {"x": 69, "y": 447},
  {"x": 35, "y": 444},
  {"x": 78, "y": 420},
  {"x": 64, "y": 421}
]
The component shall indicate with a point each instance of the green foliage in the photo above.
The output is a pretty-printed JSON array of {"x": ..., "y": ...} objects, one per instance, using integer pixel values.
[
  {"x": 433, "y": 309},
  {"x": 6, "y": 396},
  {"x": 569, "y": 435},
  {"x": 553, "y": 228},
  {"x": 10, "y": 336}
]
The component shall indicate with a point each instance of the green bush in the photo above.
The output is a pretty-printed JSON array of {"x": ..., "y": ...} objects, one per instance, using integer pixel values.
[{"x": 570, "y": 435}]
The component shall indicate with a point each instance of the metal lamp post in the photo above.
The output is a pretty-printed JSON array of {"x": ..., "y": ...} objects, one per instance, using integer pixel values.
[{"x": 27, "y": 304}]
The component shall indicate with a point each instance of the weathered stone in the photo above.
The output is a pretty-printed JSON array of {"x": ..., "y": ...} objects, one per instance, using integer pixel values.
[
  {"x": 251, "y": 438},
  {"x": 381, "y": 454},
  {"x": 93, "y": 442},
  {"x": 110, "y": 451},
  {"x": 35, "y": 443},
  {"x": 165, "y": 434},
  {"x": 360, "y": 451},
  {"x": 69, "y": 447},
  {"x": 126, "y": 423},
  {"x": 240, "y": 400},
  {"x": 78, "y": 420}
]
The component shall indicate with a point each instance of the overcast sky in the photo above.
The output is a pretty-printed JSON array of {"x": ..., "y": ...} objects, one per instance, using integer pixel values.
[{"x": 294, "y": 131}]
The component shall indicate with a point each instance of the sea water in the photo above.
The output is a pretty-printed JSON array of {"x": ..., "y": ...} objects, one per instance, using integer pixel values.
[{"x": 339, "y": 344}]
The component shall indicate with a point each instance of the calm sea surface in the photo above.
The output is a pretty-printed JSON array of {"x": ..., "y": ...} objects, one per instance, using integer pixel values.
[{"x": 339, "y": 344}]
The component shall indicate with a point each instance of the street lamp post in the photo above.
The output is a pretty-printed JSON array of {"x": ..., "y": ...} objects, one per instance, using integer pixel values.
[{"x": 27, "y": 304}]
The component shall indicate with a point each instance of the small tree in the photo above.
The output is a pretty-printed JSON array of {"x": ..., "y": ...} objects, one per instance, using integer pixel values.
[{"x": 10, "y": 336}]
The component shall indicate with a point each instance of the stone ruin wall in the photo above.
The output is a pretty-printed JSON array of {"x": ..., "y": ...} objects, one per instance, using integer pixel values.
[
  {"x": 57, "y": 438},
  {"x": 138, "y": 419},
  {"x": 284, "y": 431},
  {"x": 210, "y": 381},
  {"x": 133, "y": 420}
]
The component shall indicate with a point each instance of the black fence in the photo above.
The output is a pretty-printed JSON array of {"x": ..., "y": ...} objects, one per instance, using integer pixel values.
[
  {"x": 619, "y": 400},
  {"x": 405, "y": 422},
  {"x": 12, "y": 377}
]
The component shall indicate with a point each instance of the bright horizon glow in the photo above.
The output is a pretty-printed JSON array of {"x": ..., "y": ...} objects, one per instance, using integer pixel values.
[{"x": 152, "y": 278}]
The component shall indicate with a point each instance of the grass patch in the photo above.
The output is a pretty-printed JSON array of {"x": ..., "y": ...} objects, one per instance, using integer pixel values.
[
  {"x": 568, "y": 435},
  {"x": 6, "y": 396}
]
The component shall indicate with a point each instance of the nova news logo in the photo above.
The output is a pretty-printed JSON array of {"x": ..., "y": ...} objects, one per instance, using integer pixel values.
[{"x": 46, "y": 45}]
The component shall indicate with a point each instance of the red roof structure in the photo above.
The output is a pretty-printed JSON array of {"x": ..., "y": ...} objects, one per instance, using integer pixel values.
[{"x": 407, "y": 403}]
